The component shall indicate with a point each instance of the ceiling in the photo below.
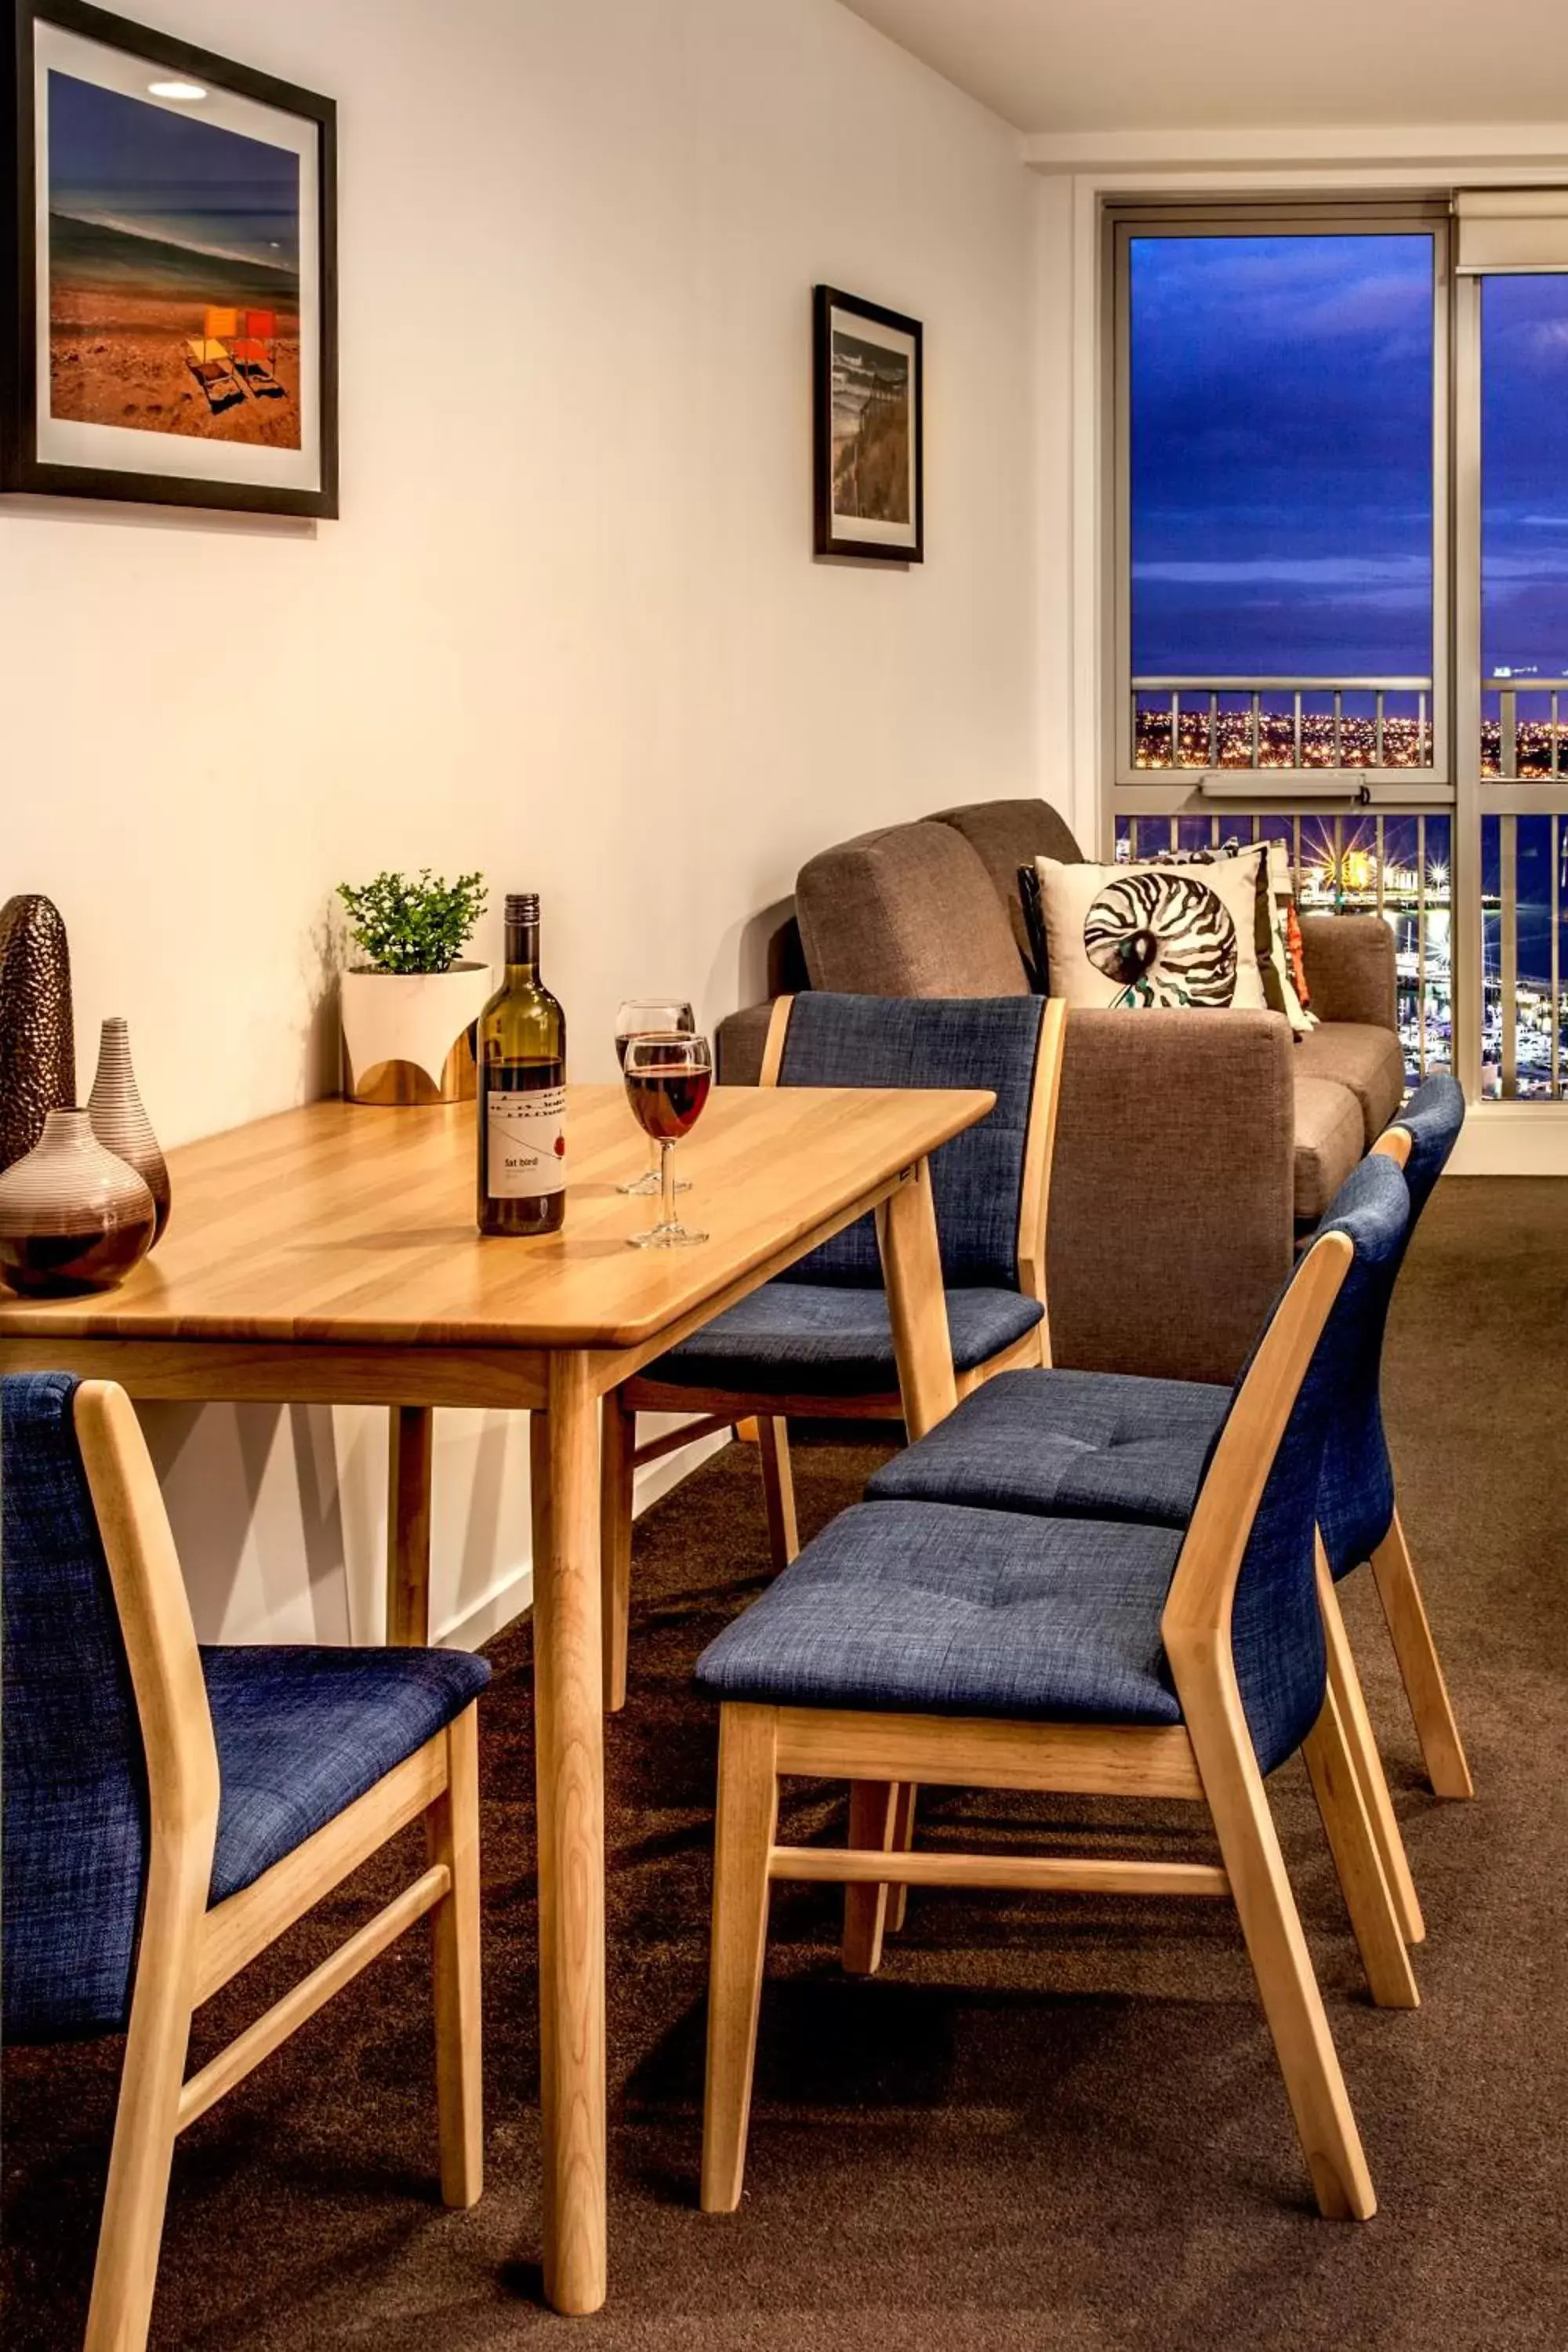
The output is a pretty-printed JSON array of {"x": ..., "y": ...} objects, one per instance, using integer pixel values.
[{"x": 1206, "y": 64}]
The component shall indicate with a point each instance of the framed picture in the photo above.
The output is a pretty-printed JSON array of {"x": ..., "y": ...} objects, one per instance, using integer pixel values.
[
  {"x": 169, "y": 328},
  {"x": 869, "y": 403}
]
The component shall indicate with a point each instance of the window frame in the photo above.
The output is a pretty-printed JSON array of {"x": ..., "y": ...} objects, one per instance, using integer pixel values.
[{"x": 1132, "y": 791}]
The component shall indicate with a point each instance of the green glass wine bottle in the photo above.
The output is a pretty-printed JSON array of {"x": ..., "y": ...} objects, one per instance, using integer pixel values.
[{"x": 521, "y": 1055}]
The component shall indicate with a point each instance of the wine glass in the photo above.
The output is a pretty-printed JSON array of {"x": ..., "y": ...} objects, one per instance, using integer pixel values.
[
  {"x": 651, "y": 1016},
  {"x": 667, "y": 1081}
]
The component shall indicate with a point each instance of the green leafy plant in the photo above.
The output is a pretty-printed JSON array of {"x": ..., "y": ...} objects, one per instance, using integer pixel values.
[{"x": 419, "y": 925}]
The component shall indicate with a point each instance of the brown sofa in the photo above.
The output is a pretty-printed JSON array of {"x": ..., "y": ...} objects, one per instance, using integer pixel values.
[{"x": 1192, "y": 1147}]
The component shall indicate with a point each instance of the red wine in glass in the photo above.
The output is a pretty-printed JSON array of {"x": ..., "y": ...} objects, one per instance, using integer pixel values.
[
  {"x": 667, "y": 1080},
  {"x": 667, "y": 1103},
  {"x": 651, "y": 1016}
]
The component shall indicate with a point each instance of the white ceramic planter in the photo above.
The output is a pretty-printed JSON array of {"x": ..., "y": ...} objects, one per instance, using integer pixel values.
[{"x": 405, "y": 1034}]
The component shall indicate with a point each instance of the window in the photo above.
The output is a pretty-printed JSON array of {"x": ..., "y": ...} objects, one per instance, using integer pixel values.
[
  {"x": 1311, "y": 637},
  {"x": 1278, "y": 498}
]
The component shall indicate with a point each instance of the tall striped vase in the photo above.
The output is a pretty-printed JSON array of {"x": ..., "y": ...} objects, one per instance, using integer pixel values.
[{"x": 121, "y": 1124}]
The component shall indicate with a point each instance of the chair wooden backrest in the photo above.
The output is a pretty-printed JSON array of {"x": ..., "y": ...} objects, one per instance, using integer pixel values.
[
  {"x": 1242, "y": 1608},
  {"x": 155, "y": 1619}
]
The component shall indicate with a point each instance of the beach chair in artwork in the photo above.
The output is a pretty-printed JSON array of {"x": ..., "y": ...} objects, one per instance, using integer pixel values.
[
  {"x": 254, "y": 354},
  {"x": 211, "y": 358}
]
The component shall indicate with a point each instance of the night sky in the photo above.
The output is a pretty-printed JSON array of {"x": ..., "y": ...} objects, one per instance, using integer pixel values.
[
  {"x": 1524, "y": 430},
  {"x": 1282, "y": 458},
  {"x": 1282, "y": 455}
]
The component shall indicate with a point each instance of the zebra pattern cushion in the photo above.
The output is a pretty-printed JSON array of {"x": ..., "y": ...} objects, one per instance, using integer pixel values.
[{"x": 1150, "y": 935}]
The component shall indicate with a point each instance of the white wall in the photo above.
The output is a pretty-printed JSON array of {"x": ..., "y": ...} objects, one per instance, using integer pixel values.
[{"x": 569, "y": 629}]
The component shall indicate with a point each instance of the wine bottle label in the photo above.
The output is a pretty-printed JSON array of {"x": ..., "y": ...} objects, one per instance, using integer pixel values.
[{"x": 525, "y": 1156}]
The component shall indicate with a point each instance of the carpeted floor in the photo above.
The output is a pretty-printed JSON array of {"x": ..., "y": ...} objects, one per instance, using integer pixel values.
[{"x": 1046, "y": 2123}]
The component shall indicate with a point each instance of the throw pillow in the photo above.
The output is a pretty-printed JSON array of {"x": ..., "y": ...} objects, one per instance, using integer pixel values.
[
  {"x": 1295, "y": 949},
  {"x": 1287, "y": 963},
  {"x": 1152, "y": 935},
  {"x": 1037, "y": 961},
  {"x": 1279, "y": 964}
]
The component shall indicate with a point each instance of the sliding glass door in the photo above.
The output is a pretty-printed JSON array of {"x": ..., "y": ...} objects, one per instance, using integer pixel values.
[
  {"x": 1341, "y": 585},
  {"x": 1513, "y": 384}
]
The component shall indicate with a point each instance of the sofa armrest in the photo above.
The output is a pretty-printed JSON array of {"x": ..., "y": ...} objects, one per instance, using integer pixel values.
[
  {"x": 740, "y": 1039},
  {"x": 1350, "y": 969},
  {"x": 1170, "y": 1227}
]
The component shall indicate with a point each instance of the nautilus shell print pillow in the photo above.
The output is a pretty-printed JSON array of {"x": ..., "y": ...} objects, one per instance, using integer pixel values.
[{"x": 1177, "y": 937}]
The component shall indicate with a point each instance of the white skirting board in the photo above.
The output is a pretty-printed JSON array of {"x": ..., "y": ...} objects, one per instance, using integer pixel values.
[
  {"x": 511, "y": 1594},
  {"x": 1513, "y": 1138}
]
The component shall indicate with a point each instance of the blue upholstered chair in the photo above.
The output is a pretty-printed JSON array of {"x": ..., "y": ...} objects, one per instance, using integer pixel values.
[
  {"x": 169, "y": 1812},
  {"x": 1068, "y": 1443},
  {"x": 818, "y": 1342},
  {"x": 928, "y": 1641}
]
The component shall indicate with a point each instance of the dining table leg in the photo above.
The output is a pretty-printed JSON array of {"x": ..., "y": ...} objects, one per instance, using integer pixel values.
[
  {"x": 411, "y": 1445},
  {"x": 917, "y": 1304},
  {"x": 568, "y": 1744}
]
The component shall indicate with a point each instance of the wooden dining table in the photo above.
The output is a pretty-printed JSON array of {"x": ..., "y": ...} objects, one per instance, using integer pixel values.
[{"x": 330, "y": 1255}]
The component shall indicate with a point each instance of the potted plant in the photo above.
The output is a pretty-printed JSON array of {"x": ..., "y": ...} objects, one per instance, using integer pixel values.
[{"x": 409, "y": 1004}]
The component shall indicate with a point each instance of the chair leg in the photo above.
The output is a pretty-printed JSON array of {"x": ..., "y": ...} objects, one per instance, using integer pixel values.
[
  {"x": 778, "y": 1489},
  {"x": 903, "y": 1839},
  {"x": 452, "y": 1828},
  {"x": 1283, "y": 1966},
  {"x": 1418, "y": 1664},
  {"x": 1378, "y": 1933},
  {"x": 147, "y": 2118},
  {"x": 873, "y": 1813},
  {"x": 744, "y": 1837},
  {"x": 1346, "y": 1685},
  {"x": 617, "y": 1448}
]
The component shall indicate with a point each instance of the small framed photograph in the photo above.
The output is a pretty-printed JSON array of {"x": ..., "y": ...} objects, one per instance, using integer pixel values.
[
  {"x": 169, "y": 328},
  {"x": 869, "y": 419}
]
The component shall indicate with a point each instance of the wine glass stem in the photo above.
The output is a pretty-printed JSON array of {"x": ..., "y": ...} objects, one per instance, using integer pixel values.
[
  {"x": 653, "y": 1155},
  {"x": 666, "y": 1178}
]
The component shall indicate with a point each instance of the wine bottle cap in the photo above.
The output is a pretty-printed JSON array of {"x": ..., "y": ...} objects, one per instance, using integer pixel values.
[{"x": 522, "y": 907}]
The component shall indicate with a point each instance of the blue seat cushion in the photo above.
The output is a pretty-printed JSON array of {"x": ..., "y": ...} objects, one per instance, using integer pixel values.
[
  {"x": 1097, "y": 1445},
  {"x": 926, "y": 1608},
  {"x": 302, "y": 1732},
  {"x": 834, "y": 1338}
]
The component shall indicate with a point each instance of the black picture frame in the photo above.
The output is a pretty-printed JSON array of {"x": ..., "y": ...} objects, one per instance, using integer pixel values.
[
  {"x": 21, "y": 469},
  {"x": 838, "y": 534}
]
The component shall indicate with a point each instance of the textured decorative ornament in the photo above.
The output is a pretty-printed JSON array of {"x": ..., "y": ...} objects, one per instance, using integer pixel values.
[
  {"x": 120, "y": 1122},
  {"x": 72, "y": 1216},
  {"x": 37, "y": 1052}
]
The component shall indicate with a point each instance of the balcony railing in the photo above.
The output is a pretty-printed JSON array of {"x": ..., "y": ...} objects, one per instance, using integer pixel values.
[
  {"x": 1523, "y": 724},
  {"x": 1523, "y": 1005},
  {"x": 1282, "y": 722}
]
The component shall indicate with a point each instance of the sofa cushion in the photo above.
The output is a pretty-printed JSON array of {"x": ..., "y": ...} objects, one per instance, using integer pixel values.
[
  {"x": 1368, "y": 1062},
  {"x": 909, "y": 912},
  {"x": 1329, "y": 1140},
  {"x": 1005, "y": 835},
  {"x": 1349, "y": 962}
]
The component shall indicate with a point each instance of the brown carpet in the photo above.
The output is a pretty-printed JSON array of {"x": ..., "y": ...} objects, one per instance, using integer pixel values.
[{"x": 1047, "y": 2121}]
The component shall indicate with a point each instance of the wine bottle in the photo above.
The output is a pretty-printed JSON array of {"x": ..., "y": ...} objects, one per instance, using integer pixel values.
[{"x": 522, "y": 1055}]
